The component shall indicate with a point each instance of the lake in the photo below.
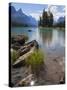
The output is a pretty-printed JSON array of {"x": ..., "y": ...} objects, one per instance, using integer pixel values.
[
  {"x": 52, "y": 42},
  {"x": 49, "y": 39}
]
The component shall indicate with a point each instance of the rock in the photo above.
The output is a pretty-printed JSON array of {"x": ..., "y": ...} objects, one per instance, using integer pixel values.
[
  {"x": 18, "y": 40},
  {"x": 29, "y": 30},
  {"x": 15, "y": 46}
]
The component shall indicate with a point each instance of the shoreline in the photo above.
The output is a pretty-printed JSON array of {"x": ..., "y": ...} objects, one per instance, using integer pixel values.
[
  {"x": 52, "y": 74},
  {"x": 63, "y": 28},
  {"x": 54, "y": 66}
]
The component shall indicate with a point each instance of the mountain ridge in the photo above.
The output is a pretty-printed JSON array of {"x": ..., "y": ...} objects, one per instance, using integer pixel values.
[{"x": 19, "y": 18}]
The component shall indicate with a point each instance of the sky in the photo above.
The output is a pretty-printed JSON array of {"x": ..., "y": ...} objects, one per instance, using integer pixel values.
[{"x": 35, "y": 10}]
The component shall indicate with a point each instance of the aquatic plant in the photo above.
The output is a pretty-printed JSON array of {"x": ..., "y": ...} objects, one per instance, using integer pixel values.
[
  {"x": 14, "y": 55},
  {"x": 35, "y": 60}
]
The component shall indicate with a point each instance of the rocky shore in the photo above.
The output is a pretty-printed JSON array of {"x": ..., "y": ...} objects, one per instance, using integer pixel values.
[{"x": 53, "y": 71}]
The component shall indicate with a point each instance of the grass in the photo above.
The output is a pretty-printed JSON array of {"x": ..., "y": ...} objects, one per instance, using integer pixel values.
[
  {"x": 14, "y": 56},
  {"x": 35, "y": 60}
]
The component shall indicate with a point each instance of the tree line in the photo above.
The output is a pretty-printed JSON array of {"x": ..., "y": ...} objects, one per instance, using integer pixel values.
[{"x": 47, "y": 19}]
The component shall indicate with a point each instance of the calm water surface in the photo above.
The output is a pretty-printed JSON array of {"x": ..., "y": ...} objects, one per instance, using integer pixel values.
[{"x": 48, "y": 38}]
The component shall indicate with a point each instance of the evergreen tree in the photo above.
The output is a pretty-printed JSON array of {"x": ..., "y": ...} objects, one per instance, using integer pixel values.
[
  {"x": 40, "y": 21},
  {"x": 46, "y": 20},
  {"x": 50, "y": 23}
]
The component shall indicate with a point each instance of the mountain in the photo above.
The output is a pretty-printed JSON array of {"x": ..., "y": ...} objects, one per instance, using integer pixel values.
[
  {"x": 12, "y": 10},
  {"x": 18, "y": 18},
  {"x": 61, "y": 19},
  {"x": 60, "y": 22}
]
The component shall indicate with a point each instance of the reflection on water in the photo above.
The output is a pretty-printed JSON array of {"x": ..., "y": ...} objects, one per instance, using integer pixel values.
[
  {"x": 52, "y": 38},
  {"x": 47, "y": 38},
  {"x": 46, "y": 35}
]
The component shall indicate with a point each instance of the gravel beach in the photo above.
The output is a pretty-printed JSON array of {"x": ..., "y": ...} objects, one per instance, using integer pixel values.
[{"x": 53, "y": 72}]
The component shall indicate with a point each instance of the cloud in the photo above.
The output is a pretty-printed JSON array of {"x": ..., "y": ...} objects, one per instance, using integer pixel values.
[
  {"x": 40, "y": 11},
  {"x": 64, "y": 9},
  {"x": 53, "y": 8},
  {"x": 36, "y": 15},
  {"x": 56, "y": 12}
]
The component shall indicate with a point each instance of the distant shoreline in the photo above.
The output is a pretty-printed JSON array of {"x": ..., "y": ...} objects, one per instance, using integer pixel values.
[
  {"x": 41, "y": 27},
  {"x": 54, "y": 27}
]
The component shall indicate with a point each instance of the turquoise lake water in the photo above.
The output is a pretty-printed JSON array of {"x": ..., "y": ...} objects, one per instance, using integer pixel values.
[{"x": 48, "y": 38}]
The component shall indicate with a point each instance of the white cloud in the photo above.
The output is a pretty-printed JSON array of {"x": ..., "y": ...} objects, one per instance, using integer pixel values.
[
  {"x": 36, "y": 15},
  {"x": 64, "y": 9},
  {"x": 56, "y": 13},
  {"x": 40, "y": 11},
  {"x": 53, "y": 9}
]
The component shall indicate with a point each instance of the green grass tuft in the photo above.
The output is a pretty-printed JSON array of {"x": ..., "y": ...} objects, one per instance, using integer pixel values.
[
  {"x": 14, "y": 56},
  {"x": 35, "y": 60}
]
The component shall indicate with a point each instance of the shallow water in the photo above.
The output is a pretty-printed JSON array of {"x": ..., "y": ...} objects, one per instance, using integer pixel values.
[
  {"x": 48, "y": 38},
  {"x": 52, "y": 42}
]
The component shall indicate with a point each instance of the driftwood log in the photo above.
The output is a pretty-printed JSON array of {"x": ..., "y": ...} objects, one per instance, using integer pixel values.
[
  {"x": 18, "y": 42},
  {"x": 27, "y": 47},
  {"x": 21, "y": 60},
  {"x": 24, "y": 52},
  {"x": 26, "y": 81}
]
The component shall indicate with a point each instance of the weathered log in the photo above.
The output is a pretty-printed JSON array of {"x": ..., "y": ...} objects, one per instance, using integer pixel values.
[
  {"x": 27, "y": 47},
  {"x": 19, "y": 47},
  {"x": 33, "y": 43},
  {"x": 26, "y": 81},
  {"x": 30, "y": 44},
  {"x": 21, "y": 60},
  {"x": 22, "y": 52}
]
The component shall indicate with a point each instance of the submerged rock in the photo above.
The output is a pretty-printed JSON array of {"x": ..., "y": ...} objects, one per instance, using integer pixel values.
[
  {"x": 29, "y": 30},
  {"x": 18, "y": 40}
]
